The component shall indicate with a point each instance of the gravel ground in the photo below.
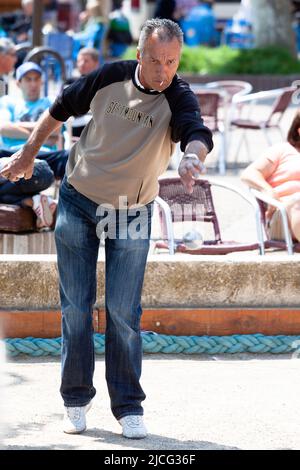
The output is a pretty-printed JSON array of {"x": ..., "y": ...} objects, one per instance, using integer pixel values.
[{"x": 193, "y": 403}]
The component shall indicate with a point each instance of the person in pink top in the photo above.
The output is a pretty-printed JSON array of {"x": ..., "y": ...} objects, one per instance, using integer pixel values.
[{"x": 277, "y": 173}]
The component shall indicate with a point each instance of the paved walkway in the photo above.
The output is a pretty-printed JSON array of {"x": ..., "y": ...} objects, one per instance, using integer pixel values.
[{"x": 193, "y": 402}]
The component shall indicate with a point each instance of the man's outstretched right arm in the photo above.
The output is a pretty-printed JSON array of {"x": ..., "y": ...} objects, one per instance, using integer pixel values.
[{"x": 21, "y": 163}]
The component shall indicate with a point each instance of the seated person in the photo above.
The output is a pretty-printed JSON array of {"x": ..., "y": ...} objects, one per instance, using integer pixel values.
[
  {"x": 182, "y": 8},
  {"x": 277, "y": 173},
  {"x": 19, "y": 114},
  {"x": 118, "y": 36},
  {"x": 95, "y": 19},
  {"x": 18, "y": 117},
  {"x": 25, "y": 193},
  {"x": 8, "y": 59},
  {"x": 87, "y": 62},
  {"x": 19, "y": 22}
]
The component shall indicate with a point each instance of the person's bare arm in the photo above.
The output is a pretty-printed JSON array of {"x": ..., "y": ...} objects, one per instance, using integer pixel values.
[
  {"x": 53, "y": 137},
  {"x": 21, "y": 164},
  {"x": 256, "y": 174},
  {"x": 22, "y": 130},
  {"x": 16, "y": 130}
]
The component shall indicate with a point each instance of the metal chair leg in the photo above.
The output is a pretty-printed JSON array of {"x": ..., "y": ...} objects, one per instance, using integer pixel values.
[
  {"x": 235, "y": 159},
  {"x": 222, "y": 154}
]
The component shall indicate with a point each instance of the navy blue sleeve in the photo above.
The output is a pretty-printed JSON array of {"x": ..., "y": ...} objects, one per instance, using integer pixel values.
[
  {"x": 75, "y": 100},
  {"x": 186, "y": 122}
]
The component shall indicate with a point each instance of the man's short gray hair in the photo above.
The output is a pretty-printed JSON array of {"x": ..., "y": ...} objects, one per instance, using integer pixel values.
[
  {"x": 6, "y": 45},
  {"x": 165, "y": 29},
  {"x": 91, "y": 51}
]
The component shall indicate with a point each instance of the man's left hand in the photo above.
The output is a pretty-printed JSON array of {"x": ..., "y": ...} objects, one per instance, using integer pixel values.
[{"x": 189, "y": 169}]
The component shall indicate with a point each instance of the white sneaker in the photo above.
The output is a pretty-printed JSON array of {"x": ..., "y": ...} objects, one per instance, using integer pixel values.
[
  {"x": 42, "y": 209},
  {"x": 52, "y": 204},
  {"x": 74, "y": 418},
  {"x": 133, "y": 427}
]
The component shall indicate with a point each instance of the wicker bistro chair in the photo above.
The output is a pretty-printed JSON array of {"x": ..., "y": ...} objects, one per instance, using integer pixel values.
[
  {"x": 263, "y": 200},
  {"x": 231, "y": 87},
  {"x": 210, "y": 102},
  {"x": 216, "y": 96},
  {"x": 281, "y": 100},
  {"x": 172, "y": 195}
]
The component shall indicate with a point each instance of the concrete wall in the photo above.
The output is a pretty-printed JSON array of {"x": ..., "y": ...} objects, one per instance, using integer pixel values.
[{"x": 31, "y": 282}]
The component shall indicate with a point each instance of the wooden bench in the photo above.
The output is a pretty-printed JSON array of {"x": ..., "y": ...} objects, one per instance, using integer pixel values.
[{"x": 18, "y": 233}]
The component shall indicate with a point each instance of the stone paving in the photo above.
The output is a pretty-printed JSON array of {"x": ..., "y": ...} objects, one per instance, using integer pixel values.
[{"x": 193, "y": 403}]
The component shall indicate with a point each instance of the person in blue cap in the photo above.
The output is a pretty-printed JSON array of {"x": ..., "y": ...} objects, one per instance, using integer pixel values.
[
  {"x": 20, "y": 113},
  {"x": 18, "y": 118}
]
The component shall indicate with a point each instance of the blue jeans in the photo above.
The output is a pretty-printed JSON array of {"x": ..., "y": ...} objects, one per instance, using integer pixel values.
[
  {"x": 15, "y": 192},
  {"x": 77, "y": 246}
]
